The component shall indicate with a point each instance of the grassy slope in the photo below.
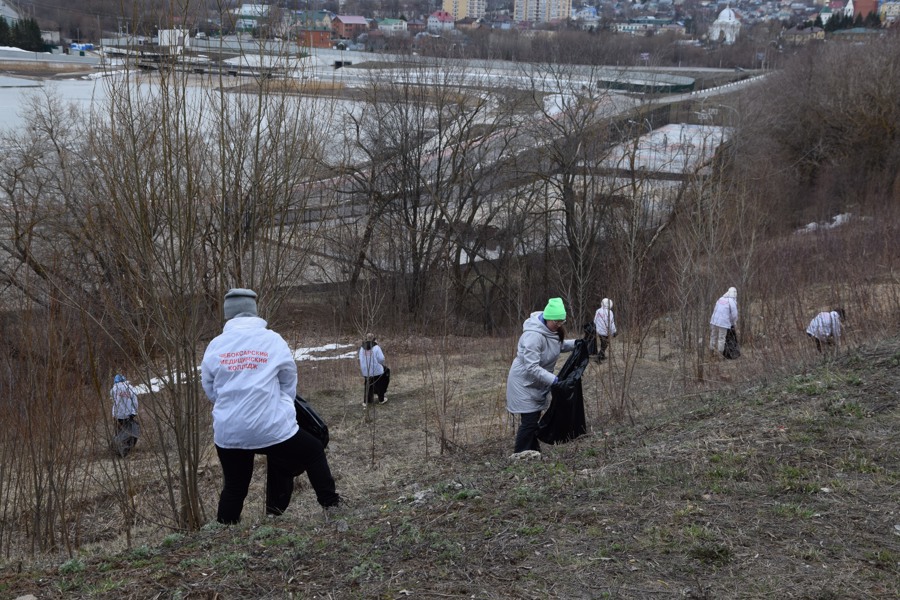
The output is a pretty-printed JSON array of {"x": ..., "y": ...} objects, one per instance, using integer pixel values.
[{"x": 785, "y": 490}]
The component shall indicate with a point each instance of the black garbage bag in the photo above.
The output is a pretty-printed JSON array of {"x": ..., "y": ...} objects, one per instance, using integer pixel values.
[
  {"x": 309, "y": 420},
  {"x": 564, "y": 420},
  {"x": 382, "y": 382},
  {"x": 126, "y": 436},
  {"x": 732, "y": 348}
]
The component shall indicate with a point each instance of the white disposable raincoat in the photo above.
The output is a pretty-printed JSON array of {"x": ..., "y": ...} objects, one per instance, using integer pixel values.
[
  {"x": 371, "y": 360},
  {"x": 725, "y": 314},
  {"x": 825, "y": 324},
  {"x": 250, "y": 376},
  {"x": 124, "y": 400}
]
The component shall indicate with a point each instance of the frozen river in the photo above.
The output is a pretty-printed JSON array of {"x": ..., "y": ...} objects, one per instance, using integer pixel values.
[{"x": 14, "y": 90}]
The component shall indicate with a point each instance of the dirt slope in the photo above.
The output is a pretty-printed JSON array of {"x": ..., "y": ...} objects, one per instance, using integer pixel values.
[{"x": 787, "y": 489}]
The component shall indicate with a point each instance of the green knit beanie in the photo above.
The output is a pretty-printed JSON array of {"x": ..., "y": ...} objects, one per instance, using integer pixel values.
[{"x": 555, "y": 311}]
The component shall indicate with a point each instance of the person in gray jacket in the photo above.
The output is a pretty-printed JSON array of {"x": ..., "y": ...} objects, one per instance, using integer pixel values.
[{"x": 531, "y": 373}]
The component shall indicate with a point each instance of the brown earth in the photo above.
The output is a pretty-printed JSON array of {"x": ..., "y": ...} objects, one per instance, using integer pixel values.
[
  {"x": 35, "y": 70},
  {"x": 757, "y": 485}
]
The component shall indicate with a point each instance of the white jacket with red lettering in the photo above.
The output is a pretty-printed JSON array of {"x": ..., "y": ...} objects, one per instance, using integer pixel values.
[
  {"x": 725, "y": 314},
  {"x": 250, "y": 376}
]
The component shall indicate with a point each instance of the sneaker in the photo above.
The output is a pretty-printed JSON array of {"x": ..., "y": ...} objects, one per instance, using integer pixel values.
[
  {"x": 383, "y": 400},
  {"x": 336, "y": 515}
]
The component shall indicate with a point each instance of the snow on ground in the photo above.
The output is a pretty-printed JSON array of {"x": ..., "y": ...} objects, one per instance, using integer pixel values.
[
  {"x": 300, "y": 354},
  {"x": 11, "y": 49},
  {"x": 836, "y": 221}
]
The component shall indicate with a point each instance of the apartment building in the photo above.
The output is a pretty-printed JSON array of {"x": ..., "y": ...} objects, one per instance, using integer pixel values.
[
  {"x": 465, "y": 8},
  {"x": 542, "y": 11}
]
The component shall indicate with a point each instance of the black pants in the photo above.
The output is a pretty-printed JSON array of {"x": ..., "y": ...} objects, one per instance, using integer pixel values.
[
  {"x": 285, "y": 461},
  {"x": 375, "y": 386},
  {"x": 526, "y": 436},
  {"x": 829, "y": 341},
  {"x": 122, "y": 424},
  {"x": 604, "y": 344}
]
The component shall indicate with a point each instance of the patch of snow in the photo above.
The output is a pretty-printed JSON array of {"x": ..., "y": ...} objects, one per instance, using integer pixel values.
[
  {"x": 102, "y": 74},
  {"x": 836, "y": 221},
  {"x": 11, "y": 49},
  {"x": 300, "y": 354}
]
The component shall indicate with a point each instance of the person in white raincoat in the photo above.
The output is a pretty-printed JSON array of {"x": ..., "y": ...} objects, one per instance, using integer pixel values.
[
  {"x": 249, "y": 374},
  {"x": 371, "y": 365},
  {"x": 124, "y": 401},
  {"x": 605, "y": 324},
  {"x": 531, "y": 373},
  {"x": 124, "y": 411},
  {"x": 825, "y": 328},
  {"x": 724, "y": 317}
]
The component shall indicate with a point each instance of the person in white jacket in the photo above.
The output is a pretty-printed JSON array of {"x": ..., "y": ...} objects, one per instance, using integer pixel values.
[
  {"x": 124, "y": 400},
  {"x": 124, "y": 411},
  {"x": 531, "y": 373},
  {"x": 605, "y": 324},
  {"x": 724, "y": 317},
  {"x": 249, "y": 374},
  {"x": 825, "y": 328},
  {"x": 371, "y": 365}
]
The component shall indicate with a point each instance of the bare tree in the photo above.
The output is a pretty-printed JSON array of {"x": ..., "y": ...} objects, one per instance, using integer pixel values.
[{"x": 139, "y": 215}]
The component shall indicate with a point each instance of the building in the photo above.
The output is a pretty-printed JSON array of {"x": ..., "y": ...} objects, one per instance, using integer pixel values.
[
  {"x": 542, "y": 11},
  {"x": 392, "y": 26},
  {"x": 248, "y": 16},
  {"x": 177, "y": 40},
  {"x": 347, "y": 27},
  {"x": 414, "y": 26},
  {"x": 440, "y": 20},
  {"x": 726, "y": 27},
  {"x": 889, "y": 12},
  {"x": 587, "y": 17},
  {"x": 863, "y": 8},
  {"x": 642, "y": 25},
  {"x": 8, "y": 13},
  {"x": 799, "y": 37},
  {"x": 855, "y": 35},
  {"x": 314, "y": 36},
  {"x": 51, "y": 37},
  {"x": 464, "y": 8},
  {"x": 314, "y": 18}
]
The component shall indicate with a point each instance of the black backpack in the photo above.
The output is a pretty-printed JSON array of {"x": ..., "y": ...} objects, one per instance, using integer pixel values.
[{"x": 310, "y": 421}]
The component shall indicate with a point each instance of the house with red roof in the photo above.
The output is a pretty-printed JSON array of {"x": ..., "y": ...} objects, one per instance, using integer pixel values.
[{"x": 440, "y": 20}]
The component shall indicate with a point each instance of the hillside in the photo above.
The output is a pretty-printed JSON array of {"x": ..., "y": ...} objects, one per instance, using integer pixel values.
[{"x": 786, "y": 487}]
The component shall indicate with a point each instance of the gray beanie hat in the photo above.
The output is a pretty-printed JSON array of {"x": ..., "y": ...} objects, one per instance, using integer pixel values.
[{"x": 238, "y": 301}]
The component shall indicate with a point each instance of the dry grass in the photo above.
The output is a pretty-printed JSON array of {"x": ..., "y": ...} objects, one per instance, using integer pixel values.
[{"x": 769, "y": 485}]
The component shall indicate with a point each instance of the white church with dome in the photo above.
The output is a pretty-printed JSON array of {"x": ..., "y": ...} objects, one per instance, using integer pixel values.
[{"x": 726, "y": 27}]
